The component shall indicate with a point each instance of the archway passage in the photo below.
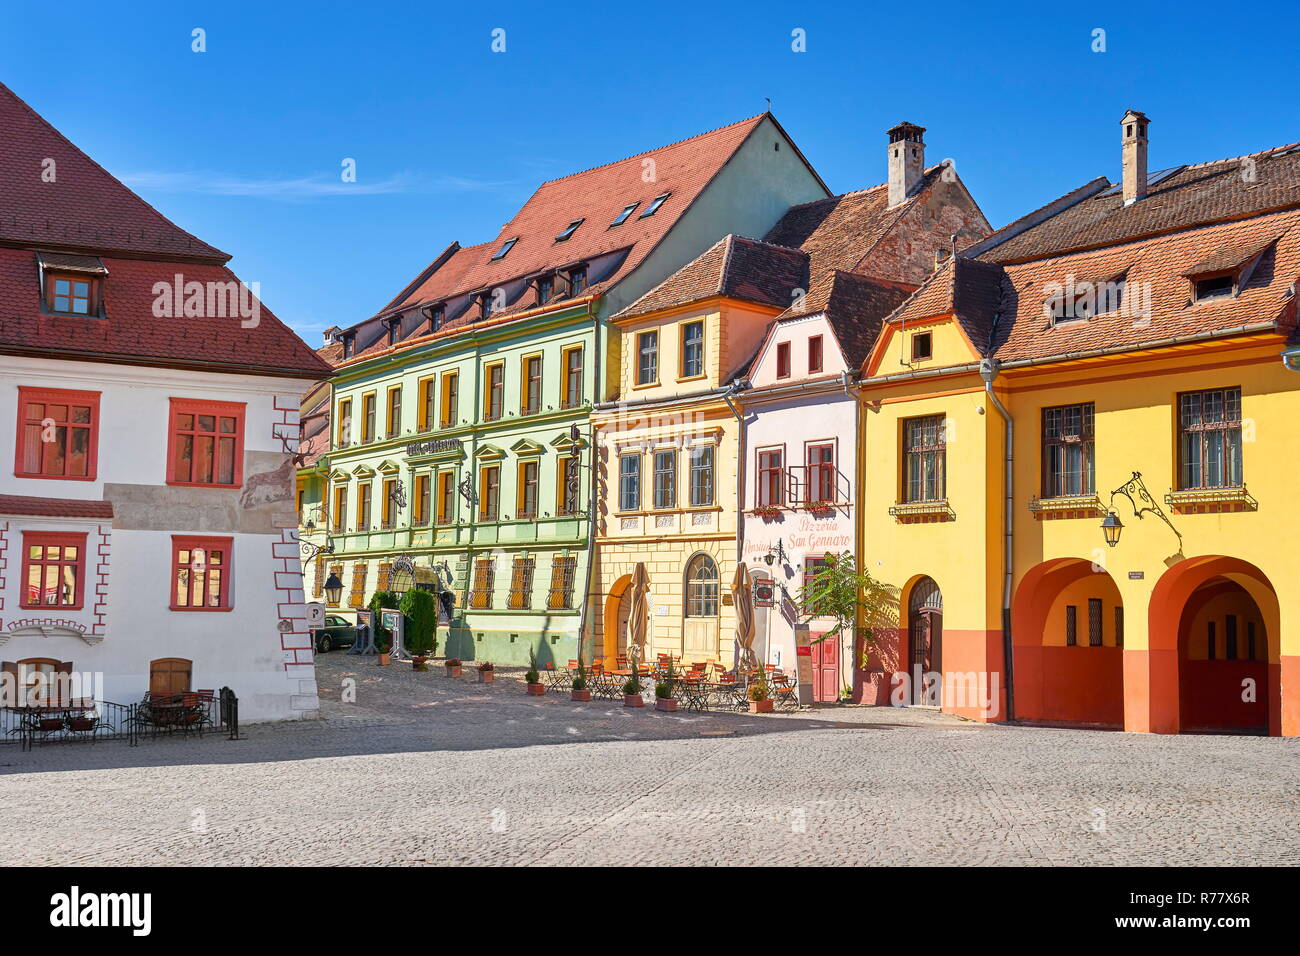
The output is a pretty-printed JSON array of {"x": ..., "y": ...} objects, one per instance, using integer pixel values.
[
  {"x": 925, "y": 642},
  {"x": 1214, "y": 663},
  {"x": 1068, "y": 628},
  {"x": 1223, "y": 684},
  {"x": 618, "y": 605}
]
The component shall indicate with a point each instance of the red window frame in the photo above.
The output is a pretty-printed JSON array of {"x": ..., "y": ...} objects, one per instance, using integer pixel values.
[
  {"x": 821, "y": 473},
  {"x": 91, "y": 298},
  {"x": 57, "y": 397},
  {"x": 770, "y": 478},
  {"x": 197, "y": 408},
  {"x": 783, "y": 360},
  {"x": 54, "y": 539},
  {"x": 815, "y": 357},
  {"x": 187, "y": 544}
]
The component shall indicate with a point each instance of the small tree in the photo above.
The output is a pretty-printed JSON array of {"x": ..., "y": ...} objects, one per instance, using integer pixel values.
[
  {"x": 421, "y": 610},
  {"x": 859, "y": 603}
]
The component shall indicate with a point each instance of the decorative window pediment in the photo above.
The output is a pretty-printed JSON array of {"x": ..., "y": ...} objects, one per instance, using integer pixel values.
[
  {"x": 390, "y": 467},
  {"x": 526, "y": 447},
  {"x": 363, "y": 471},
  {"x": 562, "y": 442},
  {"x": 489, "y": 453}
]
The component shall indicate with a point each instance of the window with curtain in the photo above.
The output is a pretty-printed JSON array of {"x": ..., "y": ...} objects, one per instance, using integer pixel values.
[{"x": 701, "y": 587}]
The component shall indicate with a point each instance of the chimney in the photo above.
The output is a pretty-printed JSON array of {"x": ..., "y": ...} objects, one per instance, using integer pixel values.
[
  {"x": 1134, "y": 125},
  {"x": 906, "y": 161}
]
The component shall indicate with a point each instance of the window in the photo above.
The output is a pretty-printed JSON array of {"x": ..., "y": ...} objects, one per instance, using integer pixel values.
[
  {"x": 480, "y": 595},
  {"x": 665, "y": 479},
  {"x": 783, "y": 360},
  {"x": 72, "y": 295},
  {"x": 40, "y": 681},
  {"x": 771, "y": 475},
  {"x": 821, "y": 473},
  {"x": 1209, "y": 438},
  {"x": 170, "y": 675},
  {"x": 494, "y": 401},
  {"x": 1218, "y": 287},
  {"x": 922, "y": 346},
  {"x": 368, "y": 417},
  {"x": 568, "y": 230},
  {"x": 572, "y": 377},
  {"x": 814, "y": 354},
  {"x": 692, "y": 349},
  {"x": 570, "y": 485},
  {"x": 521, "y": 583},
  {"x": 561, "y": 591},
  {"x": 577, "y": 281},
  {"x": 201, "y": 568},
  {"x": 647, "y": 348},
  {"x": 207, "y": 443},
  {"x": 427, "y": 404},
  {"x": 318, "y": 575},
  {"x": 526, "y": 495},
  {"x": 394, "y": 424},
  {"x": 421, "y": 511},
  {"x": 629, "y": 482},
  {"x": 489, "y": 506},
  {"x": 1094, "y": 622},
  {"x": 446, "y": 497},
  {"x": 701, "y": 587},
  {"x": 486, "y": 302},
  {"x": 701, "y": 476},
  {"x": 340, "y": 507},
  {"x": 345, "y": 422},
  {"x": 653, "y": 208},
  {"x": 58, "y": 433},
  {"x": 925, "y": 456},
  {"x": 811, "y": 568},
  {"x": 1071, "y": 625},
  {"x": 385, "y": 570},
  {"x": 1068, "y": 466},
  {"x": 386, "y": 510},
  {"x": 357, "y": 593},
  {"x": 532, "y": 385},
  {"x": 363, "y": 506},
  {"x": 545, "y": 289},
  {"x": 54, "y": 569},
  {"x": 1119, "y": 625},
  {"x": 505, "y": 248},
  {"x": 627, "y": 211},
  {"x": 437, "y": 315},
  {"x": 450, "y": 399}
]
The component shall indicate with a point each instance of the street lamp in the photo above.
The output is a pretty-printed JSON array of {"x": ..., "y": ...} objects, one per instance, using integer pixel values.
[
  {"x": 775, "y": 554},
  {"x": 1135, "y": 490},
  {"x": 333, "y": 589},
  {"x": 1111, "y": 527}
]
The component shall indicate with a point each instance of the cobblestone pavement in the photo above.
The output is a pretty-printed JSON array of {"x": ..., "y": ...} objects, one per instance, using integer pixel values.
[{"x": 423, "y": 769}]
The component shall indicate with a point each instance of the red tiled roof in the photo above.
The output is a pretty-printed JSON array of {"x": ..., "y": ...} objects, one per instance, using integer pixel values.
[
  {"x": 132, "y": 334},
  {"x": 734, "y": 266},
  {"x": 54, "y": 507},
  {"x": 84, "y": 207}
]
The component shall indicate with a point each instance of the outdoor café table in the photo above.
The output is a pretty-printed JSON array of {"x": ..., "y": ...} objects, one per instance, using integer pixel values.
[
  {"x": 730, "y": 694},
  {"x": 606, "y": 685},
  {"x": 694, "y": 694}
]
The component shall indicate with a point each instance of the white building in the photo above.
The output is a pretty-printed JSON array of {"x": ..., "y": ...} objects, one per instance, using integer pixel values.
[{"x": 147, "y": 527}]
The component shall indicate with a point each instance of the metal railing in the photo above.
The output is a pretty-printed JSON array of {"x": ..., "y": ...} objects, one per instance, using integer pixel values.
[{"x": 157, "y": 715}]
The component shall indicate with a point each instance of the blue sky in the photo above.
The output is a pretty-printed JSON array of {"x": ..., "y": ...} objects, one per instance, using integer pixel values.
[{"x": 243, "y": 144}]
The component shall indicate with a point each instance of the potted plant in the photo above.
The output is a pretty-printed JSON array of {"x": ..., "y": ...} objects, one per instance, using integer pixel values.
[
  {"x": 381, "y": 647},
  {"x": 580, "y": 689},
  {"x": 453, "y": 665},
  {"x": 632, "y": 693},
  {"x": 664, "y": 699},
  {"x": 760, "y": 697},
  {"x": 419, "y": 663},
  {"x": 487, "y": 673},
  {"x": 532, "y": 678}
]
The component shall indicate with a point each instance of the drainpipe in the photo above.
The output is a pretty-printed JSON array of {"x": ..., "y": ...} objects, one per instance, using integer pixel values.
[
  {"x": 737, "y": 387},
  {"x": 859, "y": 480},
  {"x": 989, "y": 368},
  {"x": 591, "y": 502}
]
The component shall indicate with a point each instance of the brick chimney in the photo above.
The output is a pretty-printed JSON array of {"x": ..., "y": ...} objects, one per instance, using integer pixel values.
[
  {"x": 1134, "y": 125},
  {"x": 906, "y": 161}
]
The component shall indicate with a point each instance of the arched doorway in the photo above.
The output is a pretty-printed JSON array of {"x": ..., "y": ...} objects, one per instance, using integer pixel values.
[
  {"x": 1214, "y": 662},
  {"x": 618, "y": 607},
  {"x": 925, "y": 642},
  {"x": 1068, "y": 629}
]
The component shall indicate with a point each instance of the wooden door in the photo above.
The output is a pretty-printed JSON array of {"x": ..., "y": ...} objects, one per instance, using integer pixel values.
[{"x": 826, "y": 669}]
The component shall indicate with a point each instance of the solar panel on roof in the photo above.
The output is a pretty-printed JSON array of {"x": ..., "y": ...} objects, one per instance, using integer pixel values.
[{"x": 1152, "y": 179}]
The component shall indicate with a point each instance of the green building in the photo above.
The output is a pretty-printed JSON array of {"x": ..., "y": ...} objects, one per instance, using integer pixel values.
[{"x": 458, "y": 428}]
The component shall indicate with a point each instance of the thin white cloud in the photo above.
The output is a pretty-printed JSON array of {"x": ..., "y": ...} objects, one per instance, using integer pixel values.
[{"x": 308, "y": 187}]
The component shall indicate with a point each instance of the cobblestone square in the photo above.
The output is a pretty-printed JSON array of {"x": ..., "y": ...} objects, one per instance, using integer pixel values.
[{"x": 421, "y": 769}]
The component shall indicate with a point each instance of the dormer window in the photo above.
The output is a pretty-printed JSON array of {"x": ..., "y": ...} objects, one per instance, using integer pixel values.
[
  {"x": 485, "y": 303},
  {"x": 653, "y": 208},
  {"x": 505, "y": 248},
  {"x": 437, "y": 316},
  {"x": 545, "y": 289},
  {"x": 569, "y": 230},
  {"x": 349, "y": 344},
  {"x": 72, "y": 295},
  {"x": 922, "y": 347},
  {"x": 627, "y": 211},
  {"x": 1215, "y": 287},
  {"x": 577, "y": 280}
]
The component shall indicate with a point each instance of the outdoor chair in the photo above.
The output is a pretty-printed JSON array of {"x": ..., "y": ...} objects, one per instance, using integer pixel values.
[
  {"x": 555, "y": 678},
  {"x": 785, "y": 691}
]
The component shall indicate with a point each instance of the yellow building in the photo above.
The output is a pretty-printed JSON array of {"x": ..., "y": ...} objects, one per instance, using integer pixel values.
[{"x": 1079, "y": 449}]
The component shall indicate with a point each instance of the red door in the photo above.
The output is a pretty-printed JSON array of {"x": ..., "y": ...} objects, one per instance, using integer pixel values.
[{"x": 826, "y": 670}]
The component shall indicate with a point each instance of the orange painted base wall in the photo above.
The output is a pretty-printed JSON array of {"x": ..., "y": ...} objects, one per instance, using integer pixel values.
[
  {"x": 1072, "y": 684},
  {"x": 1288, "y": 707},
  {"x": 1211, "y": 691},
  {"x": 978, "y": 652}
]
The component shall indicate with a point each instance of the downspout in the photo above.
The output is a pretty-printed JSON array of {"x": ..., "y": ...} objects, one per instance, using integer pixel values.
[
  {"x": 989, "y": 368},
  {"x": 859, "y": 479},
  {"x": 591, "y": 495},
  {"x": 737, "y": 387}
]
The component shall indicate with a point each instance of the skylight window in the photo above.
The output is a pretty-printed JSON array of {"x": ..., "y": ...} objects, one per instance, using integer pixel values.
[
  {"x": 653, "y": 208},
  {"x": 569, "y": 230},
  {"x": 505, "y": 248},
  {"x": 627, "y": 211}
]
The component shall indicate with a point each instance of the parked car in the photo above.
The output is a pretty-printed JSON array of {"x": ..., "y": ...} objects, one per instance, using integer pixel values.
[{"x": 337, "y": 632}]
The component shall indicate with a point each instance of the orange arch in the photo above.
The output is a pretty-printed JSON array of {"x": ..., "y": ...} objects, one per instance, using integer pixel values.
[{"x": 610, "y": 622}]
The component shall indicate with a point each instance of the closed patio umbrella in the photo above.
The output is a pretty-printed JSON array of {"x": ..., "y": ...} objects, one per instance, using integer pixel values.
[
  {"x": 743, "y": 600},
  {"x": 639, "y": 612}
]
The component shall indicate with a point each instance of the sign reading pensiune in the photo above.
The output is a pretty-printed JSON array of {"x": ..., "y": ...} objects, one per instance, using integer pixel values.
[{"x": 430, "y": 447}]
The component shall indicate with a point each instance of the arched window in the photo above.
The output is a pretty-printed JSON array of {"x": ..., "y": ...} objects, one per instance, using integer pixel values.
[
  {"x": 701, "y": 587},
  {"x": 37, "y": 682},
  {"x": 170, "y": 675}
]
